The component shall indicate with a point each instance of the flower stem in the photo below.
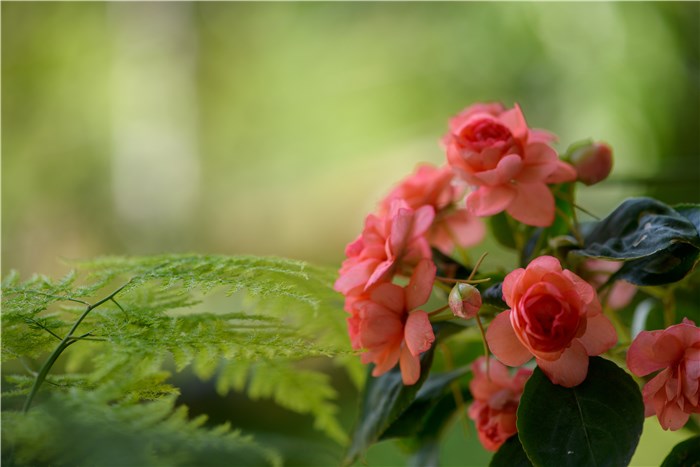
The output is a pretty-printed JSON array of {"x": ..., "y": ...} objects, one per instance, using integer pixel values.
[{"x": 63, "y": 345}]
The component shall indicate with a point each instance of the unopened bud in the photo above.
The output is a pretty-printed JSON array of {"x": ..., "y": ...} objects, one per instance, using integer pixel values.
[
  {"x": 593, "y": 162},
  {"x": 464, "y": 300}
]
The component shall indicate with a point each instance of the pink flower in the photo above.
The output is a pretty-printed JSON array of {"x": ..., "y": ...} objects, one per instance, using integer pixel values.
[
  {"x": 673, "y": 393},
  {"x": 593, "y": 163},
  {"x": 392, "y": 333},
  {"x": 435, "y": 187},
  {"x": 387, "y": 244},
  {"x": 555, "y": 316},
  {"x": 493, "y": 149},
  {"x": 496, "y": 399},
  {"x": 597, "y": 271}
]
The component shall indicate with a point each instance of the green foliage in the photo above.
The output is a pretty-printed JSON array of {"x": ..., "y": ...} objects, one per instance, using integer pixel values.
[
  {"x": 658, "y": 244},
  {"x": 83, "y": 428},
  {"x": 684, "y": 454},
  {"x": 510, "y": 454},
  {"x": 389, "y": 409},
  {"x": 246, "y": 321},
  {"x": 598, "y": 422}
]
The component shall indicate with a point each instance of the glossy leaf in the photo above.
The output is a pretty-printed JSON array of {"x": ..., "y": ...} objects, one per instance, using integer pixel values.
[
  {"x": 658, "y": 244},
  {"x": 415, "y": 418},
  {"x": 638, "y": 228},
  {"x": 684, "y": 454},
  {"x": 385, "y": 398},
  {"x": 510, "y": 454},
  {"x": 598, "y": 422}
]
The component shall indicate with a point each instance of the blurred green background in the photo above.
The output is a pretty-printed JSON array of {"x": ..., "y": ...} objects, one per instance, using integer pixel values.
[{"x": 273, "y": 128}]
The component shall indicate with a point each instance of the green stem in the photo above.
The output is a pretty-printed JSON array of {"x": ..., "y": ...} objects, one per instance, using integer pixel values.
[{"x": 63, "y": 345}]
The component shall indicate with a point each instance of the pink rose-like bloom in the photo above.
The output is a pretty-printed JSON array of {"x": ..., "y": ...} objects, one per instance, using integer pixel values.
[
  {"x": 436, "y": 187},
  {"x": 597, "y": 271},
  {"x": 496, "y": 399},
  {"x": 493, "y": 149},
  {"x": 389, "y": 331},
  {"x": 387, "y": 244},
  {"x": 556, "y": 317},
  {"x": 672, "y": 394}
]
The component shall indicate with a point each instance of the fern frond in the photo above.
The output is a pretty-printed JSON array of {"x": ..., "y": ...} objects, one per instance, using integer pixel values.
[
  {"x": 270, "y": 314},
  {"x": 82, "y": 428}
]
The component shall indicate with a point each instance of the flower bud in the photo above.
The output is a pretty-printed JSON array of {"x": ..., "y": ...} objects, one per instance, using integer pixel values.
[
  {"x": 464, "y": 300},
  {"x": 593, "y": 162}
]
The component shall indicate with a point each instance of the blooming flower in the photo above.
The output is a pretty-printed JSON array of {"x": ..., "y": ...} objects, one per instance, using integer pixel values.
[
  {"x": 555, "y": 316},
  {"x": 389, "y": 331},
  {"x": 496, "y": 399},
  {"x": 493, "y": 149},
  {"x": 386, "y": 244},
  {"x": 435, "y": 187},
  {"x": 673, "y": 393}
]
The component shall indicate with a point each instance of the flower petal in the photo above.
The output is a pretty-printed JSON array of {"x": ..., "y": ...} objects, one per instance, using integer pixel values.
[
  {"x": 490, "y": 200},
  {"x": 421, "y": 284},
  {"x": 418, "y": 332},
  {"x": 508, "y": 167},
  {"x": 410, "y": 367},
  {"x": 640, "y": 355},
  {"x": 533, "y": 204},
  {"x": 570, "y": 369},
  {"x": 390, "y": 296},
  {"x": 504, "y": 343},
  {"x": 600, "y": 335}
]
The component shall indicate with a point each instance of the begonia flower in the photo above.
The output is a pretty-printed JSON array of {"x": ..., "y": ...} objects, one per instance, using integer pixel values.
[
  {"x": 673, "y": 394},
  {"x": 392, "y": 330},
  {"x": 496, "y": 398},
  {"x": 437, "y": 187},
  {"x": 510, "y": 165},
  {"x": 554, "y": 316},
  {"x": 393, "y": 242}
]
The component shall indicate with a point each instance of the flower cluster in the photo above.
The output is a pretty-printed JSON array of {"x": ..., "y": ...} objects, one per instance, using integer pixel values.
[{"x": 496, "y": 163}]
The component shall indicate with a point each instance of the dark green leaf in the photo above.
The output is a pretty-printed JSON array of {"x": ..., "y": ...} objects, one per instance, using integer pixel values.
[
  {"x": 638, "y": 228},
  {"x": 665, "y": 267},
  {"x": 598, "y": 422},
  {"x": 494, "y": 296},
  {"x": 416, "y": 416},
  {"x": 510, "y": 454},
  {"x": 684, "y": 454},
  {"x": 427, "y": 455},
  {"x": 501, "y": 230},
  {"x": 383, "y": 400}
]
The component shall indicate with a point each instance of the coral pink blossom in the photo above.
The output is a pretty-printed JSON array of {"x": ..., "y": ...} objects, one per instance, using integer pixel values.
[
  {"x": 493, "y": 149},
  {"x": 496, "y": 399},
  {"x": 672, "y": 394},
  {"x": 556, "y": 317},
  {"x": 597, "y": 271},
  {"x": 390, "y": 332},
  {"x": 437, "y": 187},
  {"x": 387, "y": 244}
]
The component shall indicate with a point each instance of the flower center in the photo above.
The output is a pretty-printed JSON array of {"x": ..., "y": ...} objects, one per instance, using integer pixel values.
[
  {"x": 486, "y": 132},
  {"x": 551, "y": 323}
]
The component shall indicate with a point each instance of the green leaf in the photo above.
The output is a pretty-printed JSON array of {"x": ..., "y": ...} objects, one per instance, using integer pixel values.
[
  {"x": 502, "y": 231},
  {"x": 383, "y": 400},
  {"x": 684, "y": 454},
  {"x": 419, "y": 416},
  {"x": 659, "y": 244},
  {"x": 598, "y": 422},
  {"x": 510, "y": 454},
  {"x": 638, "y": 228}
]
